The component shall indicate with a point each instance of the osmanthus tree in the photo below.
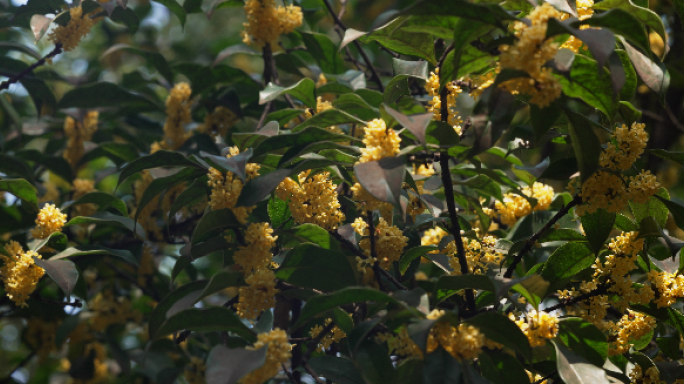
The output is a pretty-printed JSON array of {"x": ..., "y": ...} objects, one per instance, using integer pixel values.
[{"x": 335, "y": 219}]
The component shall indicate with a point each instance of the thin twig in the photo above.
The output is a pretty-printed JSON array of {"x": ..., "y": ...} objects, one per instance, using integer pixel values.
[
  {"x": 76, "y": 303},
  {"x": 55, "y": 51},
  {"x": 602, "y": 289},
  {"x": 455, "y": 227},
  {"x": 289, "y": 374},
  {"x": 312, "y": 372},
  {"x": 313, "y": 344},
  {"x": 262, "y": 119},
  {"x": 532, "y": 240}
]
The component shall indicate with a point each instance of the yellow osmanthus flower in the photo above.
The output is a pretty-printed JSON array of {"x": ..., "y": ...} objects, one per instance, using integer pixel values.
[
  {"x": 426, "y": 170},
  {"x": 225, "y": 189},
  {"x": 464, "y": 342},
  {"x": 108, "y": 310},
  {"x": 20, "y": 273},
  {"x": 278, "y": 352},
  {"x": 218, "y": 122},
  {"x": 669, "y": 287},
  {"x": 584, "y": 11},
  {"x": 50, "y": 220},
  {"x": 601, "y": 190},
  {"x": 529, "y": 53},
  {"x": 76, "y": 29},
  {"x": 334, "y": 336},
  {"x": 258, "y": 295},
  {"x": 435, "y": 105},
  {"x": 323, "y": 105},
  {"x": 416, "y": 206},
  {"x": 389, "y": 241},
  {"x": 256, "y": 254},
  {"x": 481, "y": 82},
  {"x": 40, "y": 335},
  {"x": 399, "y": 343},
  {"x": 147, "y": 266},
  {"x": 656, "y": 42},
  {"x": 178, "y": 113},
  {"x": 194, "y": 372},
  {"x": 537, "y": 326},
  {"x": 78, "y": 133},
  {"x": 478, "y": 254},
  {"x": 314, "y": 200},
  {"x": 433, "y": 236},
  {"x": 651, "y": 376},
  {"x": 266, "y": 21},
  {"x": 642, "y": 187},
  {"x": 630, "y": 145},
  {"x": 631, "y": 327},
  {"x": 147, "y": 217},
  {"x": 515, "y": 206},
  {"x": 81, "y": 187}
]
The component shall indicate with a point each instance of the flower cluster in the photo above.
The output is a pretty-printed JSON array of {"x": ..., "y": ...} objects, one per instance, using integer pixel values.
[
  {"x": 537, "y": 326},
  {"x": 631, "y": 327},
  {"x": 218, "y": 122},
  {"x": 529, "y": 53},
  {"x": 334, "y": 336},
  {"x": 399, "y": 343},
  {"x": 651, "y": 376},
  {"x": 323, "y": 105},
  {"x": 40, "y": 335},
  {"x": 195, "y": 373},
  {"x": 256, "y": 254},
  {"x": 481, "y": 82},
  {"x": 433, "y": 236},
  {"x": 146, "y": 267},
  {"x": 669, "y": 287},
  {"x": 608, "y": 190},
  {"x": 389, "y": 241},
  {"x": 463, "y": 342},
  {"x": 380, "y": 141},
  {"x": 108, "y": 310},
  {"x": 478, "y": 255},
  {"x": 20, "y": 273},
  {"x": 584, "y": 11},
  {"x": 50, "y": 220},
  {"x": 225, "y": 190},
  {"x": 178, "y": 114},
  {"x": 515, "y": 206},
  {"x": 435, "y": 105},
  {"x": 258, "y": 295},
  {"x": 81, "y": 187},
  {"x": 78, "y": 133},
  {"x": 313, "y": 200},
  {"x": 278, "y": 352},
  {"x": 100, "y": 366},
  {"x": 77, "y": 28},
  {"x": 266, "y": 21}
]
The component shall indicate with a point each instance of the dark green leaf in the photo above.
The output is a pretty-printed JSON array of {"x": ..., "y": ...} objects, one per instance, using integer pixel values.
[
  {"x": 324, "y": 51},
  {"x": 84, "y": 250},
  {"x": 204, "y": 320},
  {"x": 214, "y": 222},
  {"x": 575, "y": 369},
  {"x": 391, "y": 36},
  {"x": 417, "y": 124},
  {"x": 584, "y": 339},
  {"x": 669, "y": 345},
  {"x": 601, "y": 42},
  {"x": 158, "y": 159},
  {"x": 543, "y": 119},
  {"x": 57, "y": 241},
  {"x": 567, "y": 260},
  {"x": 502, "y": 368},
  {"x": 102, "y": 199},
  {"x": 176, "y": 8},
  {"x": 186, "y": 293},
  {"x": 374, "y": 363},
  {"x": 310, "y": 266},
  {"x": 413, "y": 254},
  {"x": 655, "y": 207},
  {"x": 502, "y": 330},
  {"x": 21, "y": 189},
  {"x": 127, "y": 17},
  {"x": 242, "y": 361},
  {"x": 106, "y": 218},
  {"x": 585, "y": 144},
  {"x": 305, "y": 136},
  {"x": 653, "y": 73},
  {"x": 383, "y": 178},
  {"x": 338, "y": 369},
  {"x": 598, "y": 226},
  {"x": 489, "y": 14},
  {"x": 308, "y": 233},
  {"x": 156, "y": 59},
  {"x": 645, "y": 15},
  {"x": 355, "y": 105},
  {"x": 105, "y": 94},
  {"x": 62, "y": 272},
  {"x": 220, "y": 281},
  {"x": 329, "y": 118},
  {"x": 303, "y": 90},
  {"x": 441, "y": 368},
  {"x": 258, "y": 188}
]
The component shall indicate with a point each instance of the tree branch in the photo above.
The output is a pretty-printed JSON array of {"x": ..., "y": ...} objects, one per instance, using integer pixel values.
[
  {"x": 532, "y": 240},
  {"x": 55, "y": 51},
  {"x": 602, "y": 289},
  {"x": 312, "y": 372}
]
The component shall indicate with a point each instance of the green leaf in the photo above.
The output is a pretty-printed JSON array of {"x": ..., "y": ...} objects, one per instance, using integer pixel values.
[
  {"x": 391, "y": 36},
  {"x": 417, "y": 124},
  {"x": 562, "y": 234},
  {"x": 310, "y": 266},
  {"x": 600, "y": 42},
  {"x": 189, "y": 292},
  {"x": 491, "y": 14},
  {"x": 355, "y": 105},
  {"x": 338, "y": 369},
  {"x": 56, "y": 240},
  {"x": 127, "y": 17},
  {"x": 621, "y": 23},
  {"x": 465, "y": 31},
  {"x": 37, "y": 89},
  {"x": 158, "y": 159},
  {"x": 258, "y": 188},
  {"x": 374, "y": 363},
  {"x": 176, "y": 8},
  {"x": 212, "y": 223},
  {"x": 502, "y": 368},
  {"x": 567, "y": 261},
  {"x": 644, "y": 15},
  {"x": 383, "y": 178},
  {"x": 677, "y": 157},
  {"x": 443, "y": 134},
  {"x": 102, "y": 199},
  {"x": 119, "y": 153},
  {"x": 307, "y": 233},
  {"x": 533, "y": 288},
  {"x": 156, "y": 59},
  {"x": 329, "y": 118},
  {"x": 105, "y": 94},
  {"x": 502, "y": 330},
  {"x": 542, "y": 119},
  {"x": 220, "y": 281},
  {"x": 21, "y": 189},
  {"x": 58, "y": 165},
  {"x": 484, "y": 185},
  {"x": 575, "y": 369},
  {"x": 584, "y": 339},
  {"x": 303, "y": 90},
  {"x": 675, "y": 319},
  {"x": 85, "y": 250},
  {"x": 305, "y": 136},
  {"x": 441, "y": 368},
  {"x": 242, "y": 361},
  {"x": 283, "y": 116},
  {"x": 323, "y": 303},
  {"x": 106, "y": 218},
  {"x": 161, "y": 184},
  {"x": 591, "y": 84},
  {"x": 653, "y": 73},
  {"x": 413, "y": 254},
  {"x": 417, "y": 69},
  {"x": 655, "y": 207},
  {"x": 598, "y": 226},
  {"x": 196, "y": 192},
  {"x": 669, "y": 345},
  {"x": 585, "y": 144},
  {"x": 324, "y": 51},
  {"x": 62, "y": 272},
  {"x": 205, "y": 320}
]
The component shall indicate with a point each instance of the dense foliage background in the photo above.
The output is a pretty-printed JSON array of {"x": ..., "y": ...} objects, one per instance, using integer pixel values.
[{"x": 350, "y": 192}]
